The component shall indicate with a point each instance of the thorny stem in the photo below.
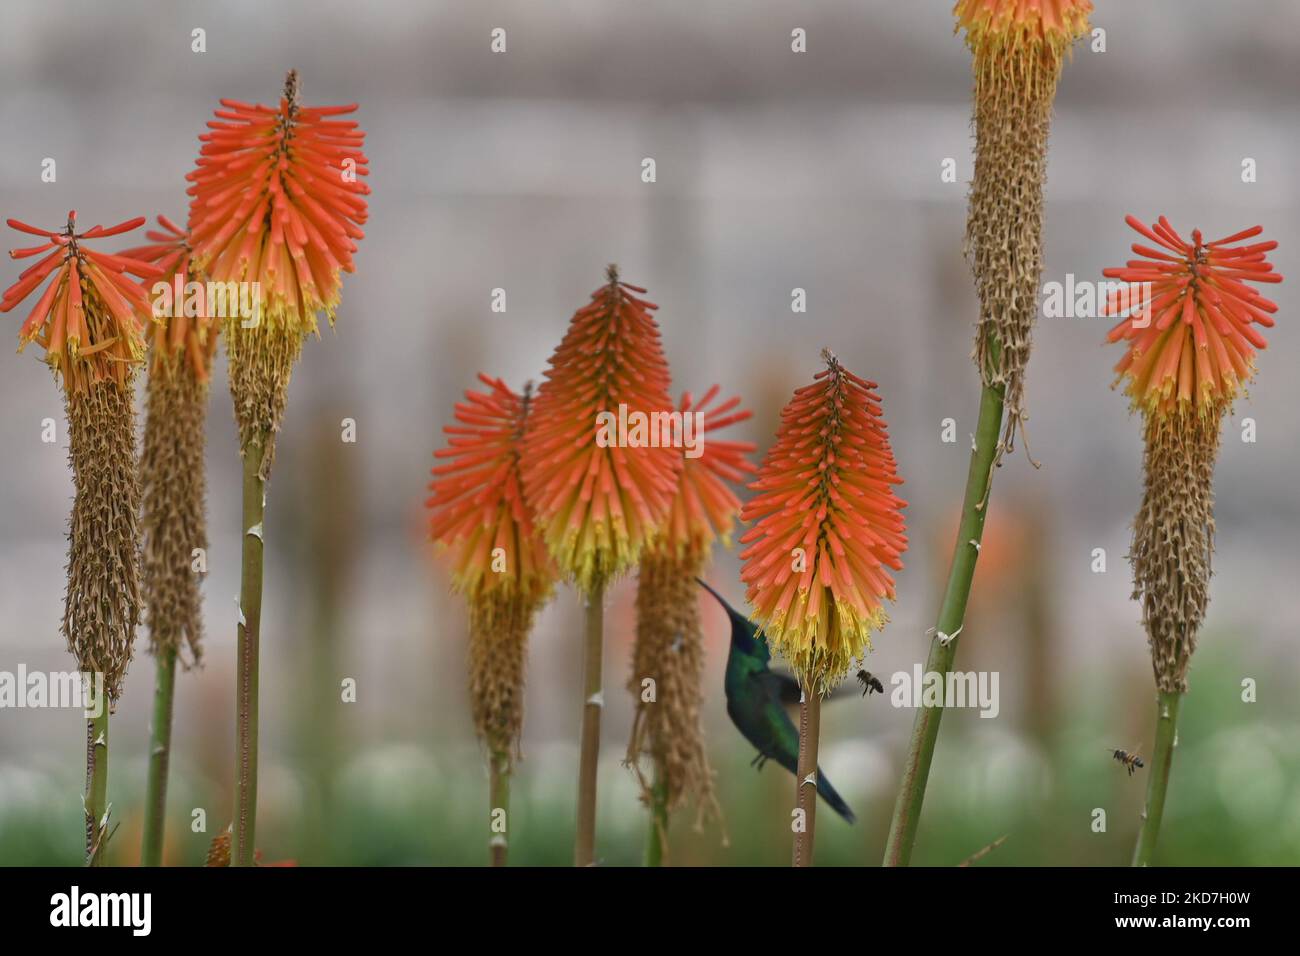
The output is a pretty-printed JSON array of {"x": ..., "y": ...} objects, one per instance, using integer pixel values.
[
  {"x": 805, "y": 789},
  {"x": 656, "y": 843},
  {"x": 925, "y": 726},
  {"x": 96, "y": 799},
  {"x": 249, "y": 632},
  {"x": 499, "y": 798},
  {"x": 1162, "y": 760},
  {"x": 160, "y": 741},
  {"x": 584, "y": 848}
]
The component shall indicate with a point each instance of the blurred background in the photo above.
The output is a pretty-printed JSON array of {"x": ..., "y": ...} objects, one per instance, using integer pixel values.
[{"x": 775, "y": 171}]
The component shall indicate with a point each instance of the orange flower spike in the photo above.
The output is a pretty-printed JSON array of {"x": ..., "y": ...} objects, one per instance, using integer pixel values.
[
  {"x": 598, "y": 503},
  {"x": 1192, "y": 344},
  {"x": 1057, "y": 22},
  {"x": 91, "y": 318},
  {"x": 178, "y": 335},
  {"x": 277, "y": 199},
  {"x": 828, "y": 527},
  {"x": 477, "y": 501},
  {"x": 705, "y": 508}
]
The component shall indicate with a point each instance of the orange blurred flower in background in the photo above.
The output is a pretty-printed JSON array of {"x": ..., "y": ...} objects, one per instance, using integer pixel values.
[
  {"x": 828, "y": 527},
  {"x": 1193, "y": 343}
]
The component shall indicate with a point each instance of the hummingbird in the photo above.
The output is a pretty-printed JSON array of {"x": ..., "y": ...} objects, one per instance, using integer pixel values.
[{"x": 756, "y": 700}]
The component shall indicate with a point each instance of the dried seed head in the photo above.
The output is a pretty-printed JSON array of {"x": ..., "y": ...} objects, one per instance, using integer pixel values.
[
  {"x": 103, "y": 598},
  {"x": 172, "y": 478},
  {"x": 1173, "y": 537},
  {"x": 670, "y": 651},
  {"x": 261, "y": 362},
  {"x": 173, "y": 520},
  {"x": 499, "y": 625},
  {"x": 1018, "y": 47}
]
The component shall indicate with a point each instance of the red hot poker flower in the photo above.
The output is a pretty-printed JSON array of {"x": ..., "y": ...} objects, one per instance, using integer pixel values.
[
  {"x": 828, "y": 527},
  {"x": 500, "y": 564},
  {"x": 277, "y": 200},
  {"x": 705, "y": 507},
  {"x": 1001, "y": 22},
  {"x": 1194, "y": 343},
  {"x": 178, "y": 334},
  {"x": 599, "y": 503},
  {"x": 478, "y": 504},
  {"x": 90, "y": 318}
]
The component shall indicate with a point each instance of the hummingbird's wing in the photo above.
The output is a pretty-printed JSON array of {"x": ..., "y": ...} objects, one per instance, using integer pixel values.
[
  {"x": 785, "y": 688},
  {"x": 780, "y": 687}
]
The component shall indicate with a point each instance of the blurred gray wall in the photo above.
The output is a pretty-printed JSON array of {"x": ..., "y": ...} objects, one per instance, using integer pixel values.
[{"x": 774, "y": 170}]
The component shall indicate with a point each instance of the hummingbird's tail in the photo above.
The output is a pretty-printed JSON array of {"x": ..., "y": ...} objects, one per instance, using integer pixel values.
[{"x": 835, "y": 801}]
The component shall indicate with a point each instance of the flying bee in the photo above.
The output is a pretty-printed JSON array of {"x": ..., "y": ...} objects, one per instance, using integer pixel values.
[
  {"x": 870, "y": 683},
  {"x": 1130, "y": 761}
]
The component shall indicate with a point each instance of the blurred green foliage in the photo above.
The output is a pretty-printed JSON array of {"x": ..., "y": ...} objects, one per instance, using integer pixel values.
[{"x": 1235, "y": 797}]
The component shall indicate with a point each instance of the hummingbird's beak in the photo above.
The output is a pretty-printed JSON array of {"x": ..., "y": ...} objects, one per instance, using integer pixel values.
[{"x": 726, "y": 607}]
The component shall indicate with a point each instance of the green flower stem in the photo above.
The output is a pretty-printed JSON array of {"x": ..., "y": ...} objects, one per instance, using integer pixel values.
[
  {"x": 925, "y": 726},
  {"x": 499, "y": 797},
  {"x": 160, "y": 742},
  {"x": 584, "y": 848},
  {"x": 249, "y": 632},
  {"x": 805, "y": 792},
  {"x": 1166, "y": 736},
  {"x": 96, "y": 799}
]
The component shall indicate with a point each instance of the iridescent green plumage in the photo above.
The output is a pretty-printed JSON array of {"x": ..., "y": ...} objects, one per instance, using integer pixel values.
[{"x": 757, "y": 698}]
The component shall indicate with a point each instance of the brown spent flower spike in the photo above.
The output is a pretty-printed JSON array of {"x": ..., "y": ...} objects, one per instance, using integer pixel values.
[
  {"x": 1173, "y": 539},
  {"x": 669, "y": 640},
  {"x": 1018, "y": 49},
  {"x": 172, "y": 470},
  {"x": 90, "y": 321}
]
